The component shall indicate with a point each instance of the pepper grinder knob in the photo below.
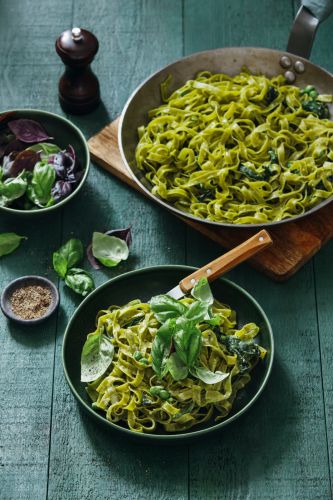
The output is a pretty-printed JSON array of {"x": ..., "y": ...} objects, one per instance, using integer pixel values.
[{"x": 78, "y": 86}]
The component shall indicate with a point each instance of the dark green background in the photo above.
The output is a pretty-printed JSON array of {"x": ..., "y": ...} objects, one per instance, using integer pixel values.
[{"x": 282, "y": 449}]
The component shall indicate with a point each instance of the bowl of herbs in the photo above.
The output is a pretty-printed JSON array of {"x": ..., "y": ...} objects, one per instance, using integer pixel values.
[{"x": 44, "y": 161}]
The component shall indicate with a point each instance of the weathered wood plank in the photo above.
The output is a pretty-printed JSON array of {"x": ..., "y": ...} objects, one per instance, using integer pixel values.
[
  {"x": 278, "y": 450},
  {"x": 29, "y": 75},
  {"x": 85, "y": 461}
]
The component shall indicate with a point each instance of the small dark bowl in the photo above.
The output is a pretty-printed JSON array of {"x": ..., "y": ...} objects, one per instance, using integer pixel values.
[
  {"x": 28, "y": 281},
  {"x": 64, "y": 133},
  {"x": 143, "y": 284}
]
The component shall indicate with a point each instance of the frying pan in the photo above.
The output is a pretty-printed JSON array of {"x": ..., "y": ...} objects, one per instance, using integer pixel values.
[{"x": 293, "y": 64}]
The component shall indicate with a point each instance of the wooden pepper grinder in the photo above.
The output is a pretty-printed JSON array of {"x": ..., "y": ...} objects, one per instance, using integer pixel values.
[{"x": 78, "y": 86}]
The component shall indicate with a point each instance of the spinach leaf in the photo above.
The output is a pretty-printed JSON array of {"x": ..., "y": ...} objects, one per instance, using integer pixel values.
[
  {"x": 80, "y": 281},
  {"x": 9, "y": 242},
  {"x": 70, "y": 254},
  {"x": 207, "y": 376},
  {"x": 317, "y": 108},
  {"x": 177, "y": 367},
  {"x": 43, "y": 178},
  {"x": 247, "y": 352},
  {"x": 109, "y": 250},
  {"x": 12, "y": 189},
  {"x": 202, "y": 292},
  {"x": 187, "y": 340},
  {"x": 165, "y": 307},
  {"x": 96, "y": 357},
  {"x": 256, "y": 176},
  {"x": 271, "y": 95}
]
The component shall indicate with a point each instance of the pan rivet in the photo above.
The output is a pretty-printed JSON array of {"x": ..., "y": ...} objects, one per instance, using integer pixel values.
[
  {"x": 261, "y": 238},
  {"x": 209, "y": 271},
  {"x": 192, "y": 281},
  {"x": 290, "y": 76},
  {"x": 285, "y": 62},
  {"x": 299, "y": 67}
]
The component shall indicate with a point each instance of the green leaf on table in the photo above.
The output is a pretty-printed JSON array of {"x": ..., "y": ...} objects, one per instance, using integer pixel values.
[
  {"x": 165, "y": 307},
  {"x": 202, "y": 292},
  {"x": 80, "y": 281},
  {"x": 68, "y": 256},
  {"x": 9, "y": 242},
  {"x": 12, "y": 189},
  {"x": 109, "y": 250},
  {"x": 177, "y": 368},
  {"x": 43, "y": 179},
  {"x": 207, "y": 376},
  {"x": 96, "y": 357}
]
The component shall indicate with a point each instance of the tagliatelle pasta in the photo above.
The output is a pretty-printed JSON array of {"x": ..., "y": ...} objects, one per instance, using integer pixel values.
[
  {"x": 125, "y": 391},
  {"x": 241, "y": 150}
]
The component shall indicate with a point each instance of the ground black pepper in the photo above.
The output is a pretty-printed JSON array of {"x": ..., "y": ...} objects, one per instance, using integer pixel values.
[{"x": 31, "y": 302}]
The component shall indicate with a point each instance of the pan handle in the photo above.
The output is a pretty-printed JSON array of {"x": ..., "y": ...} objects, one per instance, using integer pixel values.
[{"x": 307, "y": 20}]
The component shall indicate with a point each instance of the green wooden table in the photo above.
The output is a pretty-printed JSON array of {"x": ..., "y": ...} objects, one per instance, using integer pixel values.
[{"x": 283, "y": 448}]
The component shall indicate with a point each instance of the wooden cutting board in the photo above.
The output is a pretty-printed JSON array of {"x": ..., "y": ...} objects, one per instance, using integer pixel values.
[{"x": 294, "y": 243}]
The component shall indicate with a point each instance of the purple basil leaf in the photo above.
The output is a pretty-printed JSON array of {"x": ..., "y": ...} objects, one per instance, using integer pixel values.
[
  {"x": 15, "y": 145},
  {"x": 61, "y": 190},
  {"x": 94, "y": 262},
  {"x": 28, "y": 130},
  {"x": 71, "y": 151},
  {"x": 15, "y": 162},
  {"x": 123, "y": 234}
]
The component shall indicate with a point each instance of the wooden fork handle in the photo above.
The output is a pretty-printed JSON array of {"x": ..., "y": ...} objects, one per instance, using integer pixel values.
[{"x": 228, "y": 261}]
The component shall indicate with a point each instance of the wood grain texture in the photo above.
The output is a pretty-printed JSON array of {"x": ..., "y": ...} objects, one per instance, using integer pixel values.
[
  {"x": 27, "y": 353},
  {"x": 266, "y": 454},
  {"x": 294, "y": 243},
  {"x": 85, "y": 461}
]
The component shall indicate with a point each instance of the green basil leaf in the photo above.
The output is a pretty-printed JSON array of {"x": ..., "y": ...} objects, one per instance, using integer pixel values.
[
  {"x": 177, "y": 368},
  {"x": 214, "y": 321},
  {"x": 160, "y": 351},
  {"x": 187, "y": 340},
  {"x": 68, "y": 255},
  {"x": 207, "y": 376},
  {"x": 43, "y": 178},
  {"x": 198, "y": 312},
  {"x": 80, "y": 281},
  {"x": 165, "y": 307},
  {"x": 59, "y": 264},
  {"x": 202, "y": 292},
  {"x": 96, "y": 357},
  {"x": 46, "y": 149},
  {"x": 9, "y": 242},
  {"x": 12, "y": 189},
  {"x": 109, "y": 250}
]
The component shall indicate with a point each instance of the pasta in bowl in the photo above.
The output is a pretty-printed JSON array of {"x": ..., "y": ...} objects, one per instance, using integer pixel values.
[
  {"x": 239, "y": 150},
  {"x": 161, "y": 393}
]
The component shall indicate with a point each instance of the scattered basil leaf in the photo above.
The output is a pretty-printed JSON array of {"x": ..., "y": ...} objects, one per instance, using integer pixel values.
[
  {"x": 177, "y": 367},
  {"x": 202, "y": 292},
  {"x": 165, "y": 307},
  {"x": 80, "y": 281},
  {"x": 109, "y": 250},
  {"x": 9, "y": 242},
  {"x": 39, "y": 192},
  {"x": 123, "y": 234},
  {"x": 28, "y": 130},
  {"x": 96, "y": 357},
  {"x": 207, "y": 376},
  {"x": 68, "y": 255}
]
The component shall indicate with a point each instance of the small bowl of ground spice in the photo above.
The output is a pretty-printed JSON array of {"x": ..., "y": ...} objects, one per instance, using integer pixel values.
[{"x": 29, "y": 300}]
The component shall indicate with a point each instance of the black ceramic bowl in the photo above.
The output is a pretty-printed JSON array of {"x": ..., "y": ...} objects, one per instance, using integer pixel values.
[
  {"x": 143, "y": 284},
  {"x": 64, "y": 133},
  {"x": 28, "y": 281}
]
